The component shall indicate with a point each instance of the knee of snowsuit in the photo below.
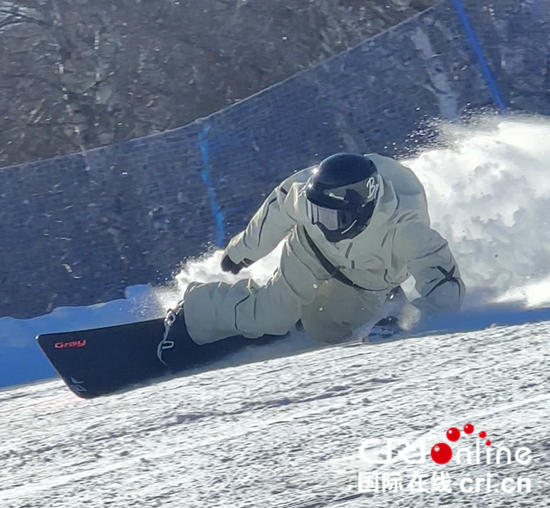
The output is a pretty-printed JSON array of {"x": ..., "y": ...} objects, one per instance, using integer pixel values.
[
  {"x": 329, "y": 309},
  {"x": 339, "y": 309}
]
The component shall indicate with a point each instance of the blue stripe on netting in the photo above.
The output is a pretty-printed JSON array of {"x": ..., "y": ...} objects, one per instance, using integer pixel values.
[
  {"x": 216, "y": 210},
  {"x": 481, "y": 57}
]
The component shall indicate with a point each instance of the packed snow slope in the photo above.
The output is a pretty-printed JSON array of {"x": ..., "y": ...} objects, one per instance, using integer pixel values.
[
  {"x": 285, "y": 433},
  {"x": 488, "y": 189}
]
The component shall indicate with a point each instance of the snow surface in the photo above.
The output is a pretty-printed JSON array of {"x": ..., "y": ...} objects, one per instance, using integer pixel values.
[{"x": 285, "y": 432}]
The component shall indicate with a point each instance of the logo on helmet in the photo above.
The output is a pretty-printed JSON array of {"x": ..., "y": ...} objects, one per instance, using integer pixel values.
[{"x": 372, "y": 186}]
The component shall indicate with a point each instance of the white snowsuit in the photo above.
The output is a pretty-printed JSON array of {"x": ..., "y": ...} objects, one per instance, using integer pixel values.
[{"x": 397, "y": 243}]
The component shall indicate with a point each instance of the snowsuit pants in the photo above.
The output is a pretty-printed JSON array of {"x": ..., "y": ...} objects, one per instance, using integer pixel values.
[
  {"x": 299, "y": 290},
  {"x": 338, "y": 310}
]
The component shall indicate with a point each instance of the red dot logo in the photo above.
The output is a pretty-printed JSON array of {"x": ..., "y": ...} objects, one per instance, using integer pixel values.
[
  {"x": 441, "y": 453},
  {"x": 468, "y": 428},
  {"x": 453, "y": 434}
]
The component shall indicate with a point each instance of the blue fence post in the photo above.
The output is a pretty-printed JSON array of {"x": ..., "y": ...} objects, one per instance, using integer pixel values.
[
  {"x": 481, "y": 57},
  {"x": 218, "y": 214}
]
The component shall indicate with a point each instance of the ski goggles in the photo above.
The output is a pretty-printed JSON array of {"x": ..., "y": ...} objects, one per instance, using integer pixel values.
[{"x": 332, "y": 220}]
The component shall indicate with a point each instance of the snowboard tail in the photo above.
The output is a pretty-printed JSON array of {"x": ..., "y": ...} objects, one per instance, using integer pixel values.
[{"x": 105, "y": 360}]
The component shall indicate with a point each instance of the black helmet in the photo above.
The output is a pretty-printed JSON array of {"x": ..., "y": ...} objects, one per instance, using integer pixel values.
[{"x": 342, "y": 194}]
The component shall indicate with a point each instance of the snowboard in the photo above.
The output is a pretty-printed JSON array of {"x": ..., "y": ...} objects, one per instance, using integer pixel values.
[{"x": 102, "y": 361}]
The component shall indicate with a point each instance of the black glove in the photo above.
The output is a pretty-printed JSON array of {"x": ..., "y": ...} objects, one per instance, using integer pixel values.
[{"x": 228, "y": 265}]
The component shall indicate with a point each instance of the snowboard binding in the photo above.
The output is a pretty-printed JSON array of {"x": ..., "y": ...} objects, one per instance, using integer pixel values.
[{"x": 175, "y": 332}]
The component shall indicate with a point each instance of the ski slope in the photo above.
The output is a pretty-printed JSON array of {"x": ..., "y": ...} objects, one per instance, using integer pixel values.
[{"x": 285, "y": 432}]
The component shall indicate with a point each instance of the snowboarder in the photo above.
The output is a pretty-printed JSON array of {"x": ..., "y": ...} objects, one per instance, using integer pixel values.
[{"x": 354, "y": 229}]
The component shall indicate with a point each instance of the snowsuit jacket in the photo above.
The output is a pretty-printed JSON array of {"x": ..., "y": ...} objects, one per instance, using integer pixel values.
[{"x": 397, "y": 243}]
